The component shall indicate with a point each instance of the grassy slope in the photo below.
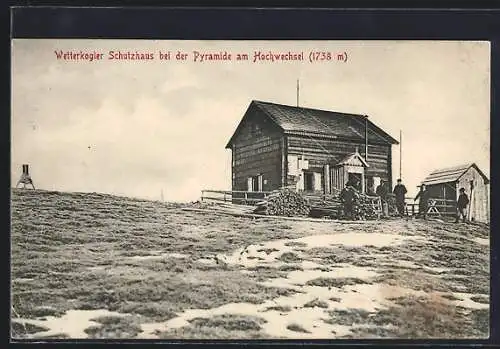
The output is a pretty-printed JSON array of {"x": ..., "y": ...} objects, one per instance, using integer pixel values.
[{"x": 59, "y": 238}]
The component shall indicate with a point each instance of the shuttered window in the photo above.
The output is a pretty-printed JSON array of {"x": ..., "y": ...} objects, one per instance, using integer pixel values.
[
  {"x": 318, "y": 178},
  {"x": 260, "y": 180},
  {"x": 255, "y": 183},
  {"x": 250, "y": 184}
]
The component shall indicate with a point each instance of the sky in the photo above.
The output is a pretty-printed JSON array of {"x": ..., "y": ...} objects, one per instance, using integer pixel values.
[{"x": 140, "y": 128}]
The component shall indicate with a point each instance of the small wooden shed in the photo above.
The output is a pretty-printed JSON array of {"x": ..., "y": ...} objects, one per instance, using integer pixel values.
[{"x": 445, "y": 184}]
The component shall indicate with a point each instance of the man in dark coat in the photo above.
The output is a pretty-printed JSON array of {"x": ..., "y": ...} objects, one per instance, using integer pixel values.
[
  {"x": 423, "y": 205},
  {"x": 463, "y": 201},
  {"x": 352, "y": 182},
  {"x": 348, "y": 199},
  {"x": 382, "y": 192},
  {"x": 399, "y": 192}
]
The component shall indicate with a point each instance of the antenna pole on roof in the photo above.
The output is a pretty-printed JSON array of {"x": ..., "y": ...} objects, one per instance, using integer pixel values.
[
  {"x": 400, "y": 153},
  {"x": 297, "y": 92},
  {"x": 366, "y": 138}
]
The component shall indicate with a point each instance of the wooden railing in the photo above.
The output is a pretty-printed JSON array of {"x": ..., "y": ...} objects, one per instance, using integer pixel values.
[
  {"x": 234, "y": 196},
  {"x": 442, "y": 207},
  {"x": 438, "y": 207}
]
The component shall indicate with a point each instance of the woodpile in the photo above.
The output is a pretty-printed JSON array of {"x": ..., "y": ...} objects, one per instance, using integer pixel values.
[
  {"x": 391, "y": 202},
  {"x": 365, "y": 209},
  {"x": 332, "y": 207},
  {"x": 285, "y": 202},
  {"x": 326, "y": 206}
]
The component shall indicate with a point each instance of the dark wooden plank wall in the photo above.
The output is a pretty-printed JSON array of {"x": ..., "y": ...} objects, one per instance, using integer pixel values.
[
  {"x": 320, "y": 151},
  {"x": 443, "y": 191},
  {"x": 257, "y": 151}
]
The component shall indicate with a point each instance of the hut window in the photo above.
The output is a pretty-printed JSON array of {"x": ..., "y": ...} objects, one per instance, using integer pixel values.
[
  {"x": 293, "y": 165},
  {"x": 318, "y": 181},
  {"x": 255, "y": 183},
  {"x": 260, "y": 182}
]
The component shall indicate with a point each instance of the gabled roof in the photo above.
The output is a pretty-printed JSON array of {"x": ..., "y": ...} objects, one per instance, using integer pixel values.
[
  {"x": 354, "y": 159},
  {"x": 319, "y": 123},
  {"x": 451, "y": 174}
]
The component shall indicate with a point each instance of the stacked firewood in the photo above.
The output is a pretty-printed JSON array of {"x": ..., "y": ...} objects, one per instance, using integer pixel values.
[
  {"x": 364, "y": 208},
  {"x": 332, "y": 207},
  {"x": 285, "y": 202},
  {"x": 391, "y": 202}
]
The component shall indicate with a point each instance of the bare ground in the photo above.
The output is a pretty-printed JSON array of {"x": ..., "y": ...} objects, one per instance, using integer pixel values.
[{"x": 150, "y": 264}]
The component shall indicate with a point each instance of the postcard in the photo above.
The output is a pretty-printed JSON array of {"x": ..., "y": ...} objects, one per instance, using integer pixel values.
[{"x": 177, "y": 189}]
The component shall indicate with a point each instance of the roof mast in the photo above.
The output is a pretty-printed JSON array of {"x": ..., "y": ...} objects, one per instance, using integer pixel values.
[
  {"x": 366, "y": 138},
  {"x": 297, "y": 92},
  {"x": 302, "y": 149},
  {"x": 400, "y": 154}
]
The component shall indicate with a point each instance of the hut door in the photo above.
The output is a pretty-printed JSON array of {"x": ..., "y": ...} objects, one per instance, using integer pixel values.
[
  {"x": 356, "y": 178},
  {"x": 309, "y": 181}
]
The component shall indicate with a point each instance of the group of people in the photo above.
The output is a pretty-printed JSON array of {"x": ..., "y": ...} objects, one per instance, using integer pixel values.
[
  {"x": 462, "y": 203},
  {"x": 399, "y": 192},
  {"x": 350, "y": 194}
]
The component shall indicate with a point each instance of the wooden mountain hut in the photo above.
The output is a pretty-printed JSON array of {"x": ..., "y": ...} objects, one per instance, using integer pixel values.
[{"x": 312, "y": 150}]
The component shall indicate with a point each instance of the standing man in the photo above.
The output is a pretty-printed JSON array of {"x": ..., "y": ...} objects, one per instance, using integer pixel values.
[
  {"x": 348, "y": 197},
  {"x": 423, "y": 196},
  {"x": 463, "y": 201},
  {"x": 400, "y": 191},
  {"x": 351, "y": 182},
  {"x": 382, "y": 192}
]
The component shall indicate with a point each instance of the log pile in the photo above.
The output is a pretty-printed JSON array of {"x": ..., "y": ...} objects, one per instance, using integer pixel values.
[
  {"x": 285, "y": 202},
  {"x": 365, "y": 209},
  {"x": 391, "y": 202},
  {"x": 332, "y": 207},
  {"x": 326, "y": 206}
]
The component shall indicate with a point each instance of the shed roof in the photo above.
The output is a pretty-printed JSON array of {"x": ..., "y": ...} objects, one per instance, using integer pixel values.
[
  {"x": 316, "y": 122},
  {"x": 451, "y": 174}
]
